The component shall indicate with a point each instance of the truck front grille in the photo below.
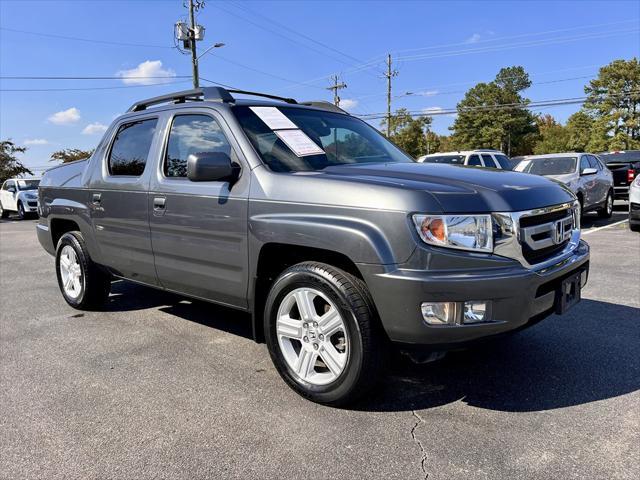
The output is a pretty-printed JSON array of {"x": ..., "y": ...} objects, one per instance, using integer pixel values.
[{"x": 544, "y": 236}]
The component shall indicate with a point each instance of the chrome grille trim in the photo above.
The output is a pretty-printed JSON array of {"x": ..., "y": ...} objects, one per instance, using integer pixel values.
[{"x": 509, "y": 237}]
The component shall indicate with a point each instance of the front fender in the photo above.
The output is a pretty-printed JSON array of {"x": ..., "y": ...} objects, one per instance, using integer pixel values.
[{"x": 360, "y": 240}]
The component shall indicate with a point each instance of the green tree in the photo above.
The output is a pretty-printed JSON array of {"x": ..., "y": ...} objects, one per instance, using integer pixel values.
[
  {"x": 614, "y": 98},
  {"x": 553, "y": 137},
  {"x": 10, "y": 166},
  {"x": 493, "y": 115},
  {"x": 409, "y": 133},
  {"x": 579, "y": 127},
  {"x": 70, "y": 155}
]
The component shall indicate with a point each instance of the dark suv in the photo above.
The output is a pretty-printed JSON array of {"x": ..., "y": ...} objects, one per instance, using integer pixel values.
[{"x": 336, "y": 242}]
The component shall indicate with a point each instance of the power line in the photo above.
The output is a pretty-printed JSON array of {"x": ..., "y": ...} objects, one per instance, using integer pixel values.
[
  {"x": 511, "y": 37},
  {"x": 79, "y": 89},
  {"x": 527, "y": 105},
  {"x": 81, "y": 39},
  {"x": 111, "y": 77}
]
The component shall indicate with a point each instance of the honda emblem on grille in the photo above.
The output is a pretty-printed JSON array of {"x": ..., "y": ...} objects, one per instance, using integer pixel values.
[{"x": 558, "y": 232}]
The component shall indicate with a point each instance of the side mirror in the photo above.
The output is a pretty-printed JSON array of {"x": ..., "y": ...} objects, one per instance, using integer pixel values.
[
  {"x": 211, "y": 166},
  {"x": 589, "y": 171}
]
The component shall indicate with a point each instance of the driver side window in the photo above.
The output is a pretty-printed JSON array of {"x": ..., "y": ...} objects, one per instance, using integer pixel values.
[{"x": 584, "y": 163}]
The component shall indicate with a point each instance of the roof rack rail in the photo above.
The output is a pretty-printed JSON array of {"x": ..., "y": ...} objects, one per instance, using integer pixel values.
[
  {"x": 217, "y": 94},
  {"x": 324, "y": 105}
]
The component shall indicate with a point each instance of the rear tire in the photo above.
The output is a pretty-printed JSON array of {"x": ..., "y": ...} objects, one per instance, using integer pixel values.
[
  {"x": 82, "y": 283},
  {"x": 634, "y": 227},
  {"x": 607, "y": 210},
  {"x": 330, "y": 350},
  {"x": 3, "y": 213}
]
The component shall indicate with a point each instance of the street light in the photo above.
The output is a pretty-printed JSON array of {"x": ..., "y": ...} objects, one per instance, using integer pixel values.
[{"x": 215, "y": 45}]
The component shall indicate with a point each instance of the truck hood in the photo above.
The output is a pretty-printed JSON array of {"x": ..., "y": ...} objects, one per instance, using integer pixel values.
[{"x": 461, "y": 189}]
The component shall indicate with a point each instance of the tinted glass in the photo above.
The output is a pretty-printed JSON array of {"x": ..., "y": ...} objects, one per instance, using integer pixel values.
[
  {"x": 549, "y": 166},
  {"x": 343, "y": 139},
  {"x": 593, "y": 163},
  {"x": 453, "y": 159},
  {"x": 584, "y": 162},
  {"x": 488, "y": 161},
  {"x": 622, "y": 157},
  {"x": 474, "y": 160},
  {"x": 7, "y": 184},
  {"x": 131, "y": 148},
  {"x": 192, "y": 134},
  {"x": 28, "y": 184},
  {"x": 503, "y": 160}
]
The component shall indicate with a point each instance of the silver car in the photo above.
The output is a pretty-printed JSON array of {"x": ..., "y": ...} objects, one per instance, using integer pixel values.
[{"x": 583, "y": 173}]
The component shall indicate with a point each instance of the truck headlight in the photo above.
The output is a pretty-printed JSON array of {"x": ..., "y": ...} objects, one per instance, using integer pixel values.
[{"x": 464, "y": 232}]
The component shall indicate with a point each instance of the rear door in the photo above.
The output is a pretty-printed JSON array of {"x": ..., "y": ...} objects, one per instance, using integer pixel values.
[
  {"x": 199, "y": 229},
  {"x": 118, "y": 199}
]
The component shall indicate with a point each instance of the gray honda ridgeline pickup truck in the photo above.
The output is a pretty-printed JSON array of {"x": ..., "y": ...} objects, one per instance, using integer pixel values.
[{"x": 337, "y": 242}]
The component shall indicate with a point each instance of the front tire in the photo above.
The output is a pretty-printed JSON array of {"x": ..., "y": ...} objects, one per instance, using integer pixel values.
[
  {"x": 323, "y": 334},
  {"x": 82, "y": 283},
  {"x": 21, "y": 213},
  {"x": 607, "y": 210}
]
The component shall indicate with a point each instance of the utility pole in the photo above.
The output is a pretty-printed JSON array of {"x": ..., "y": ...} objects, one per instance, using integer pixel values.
[
  {"x": 335, "y": 87},
  {"x": 389, "y": 75},
  {"x": 192, "y": 44}
]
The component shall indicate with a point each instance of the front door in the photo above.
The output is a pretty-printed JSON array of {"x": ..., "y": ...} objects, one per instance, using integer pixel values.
[
  {"x": 9, "y": 195},
  {"x": 118, "y": 200},
  {"x": 199, "y": 229}
]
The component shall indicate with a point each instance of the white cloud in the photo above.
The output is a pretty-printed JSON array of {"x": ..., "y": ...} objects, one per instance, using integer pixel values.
[
  {"x": 65, "y": 117},
  {"x": 36, "y": 141},
  {"x": 348, "y": 103},
  {"x": 94, "y": 128},
  {"x": 148, "y": 68},
  {"x": 432, "y": 110},
  {"x": 475, "y": 38}
]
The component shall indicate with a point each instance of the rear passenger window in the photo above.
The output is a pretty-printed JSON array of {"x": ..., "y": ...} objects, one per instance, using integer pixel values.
[
  {"x": 474, "y": 160},
  {"x": 488, "y": 161},
  {"x": 192, "y": 134},
  {"x": 131, "y": 147},
  {"x": 504, "y": 162}
]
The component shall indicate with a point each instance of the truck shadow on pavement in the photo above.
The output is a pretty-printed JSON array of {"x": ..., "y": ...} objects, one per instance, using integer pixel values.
[
  {"x": 592, "y": 353},
  {"x": 127, "y": 296}
]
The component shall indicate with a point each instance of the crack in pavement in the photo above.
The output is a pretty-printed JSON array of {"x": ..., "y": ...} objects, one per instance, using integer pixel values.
[{"x": 419, "y": 443}]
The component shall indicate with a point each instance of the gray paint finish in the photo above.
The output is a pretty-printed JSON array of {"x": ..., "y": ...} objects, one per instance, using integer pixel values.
[{"x": 206, "y": 239}]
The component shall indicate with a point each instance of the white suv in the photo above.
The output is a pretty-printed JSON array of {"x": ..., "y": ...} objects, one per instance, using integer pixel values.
[
  {"x": 474, "y": 158},
  {"x": 19, "y": 195}
]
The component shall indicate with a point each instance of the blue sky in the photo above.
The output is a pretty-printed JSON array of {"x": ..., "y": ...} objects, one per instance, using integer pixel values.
[{"x": 291, "y": 48}]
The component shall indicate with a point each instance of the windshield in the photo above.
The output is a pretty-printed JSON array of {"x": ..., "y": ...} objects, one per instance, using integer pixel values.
[
  {"x": 301, "y": 139},
  {"x": 548, "y": 166},
  {"x": 28, "y": 184},
  {"x": 453, "y": 159}
]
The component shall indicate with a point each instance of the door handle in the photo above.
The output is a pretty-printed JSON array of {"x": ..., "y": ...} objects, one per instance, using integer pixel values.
[
  {"x": 159, "y": 203},
  {"x": 96, "y": 198}
]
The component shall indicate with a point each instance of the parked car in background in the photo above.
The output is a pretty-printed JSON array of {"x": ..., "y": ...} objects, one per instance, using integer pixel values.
[
  {"x": 19, "y": 195},
  {"x": 474, "y": 158},
  {"x": 336, "y": 241},
  {"x": 583, "y": 173},
  {"x": 634, "y": 205},
  {"x": 625, "y": 166}
]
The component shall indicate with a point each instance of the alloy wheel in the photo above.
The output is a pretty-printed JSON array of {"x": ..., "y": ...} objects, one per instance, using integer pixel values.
[
  {"x": 312, "y": 336},
  {"x": 70, "y": 272}
]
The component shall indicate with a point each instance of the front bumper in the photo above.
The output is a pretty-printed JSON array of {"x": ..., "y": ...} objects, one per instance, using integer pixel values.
[{"x": 518, "y": 296}]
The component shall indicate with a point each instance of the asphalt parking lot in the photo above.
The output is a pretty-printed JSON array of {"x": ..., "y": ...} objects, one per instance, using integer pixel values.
[{"x": 158, "y": 386}]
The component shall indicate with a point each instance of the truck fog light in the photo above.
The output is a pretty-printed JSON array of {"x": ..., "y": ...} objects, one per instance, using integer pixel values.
[
  {"x": 476, "y": 312},
  {"x": 439, "y": 313}
]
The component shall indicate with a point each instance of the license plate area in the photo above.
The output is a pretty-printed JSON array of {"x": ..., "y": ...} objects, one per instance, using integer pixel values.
[{"x": 568, "y": 293}]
